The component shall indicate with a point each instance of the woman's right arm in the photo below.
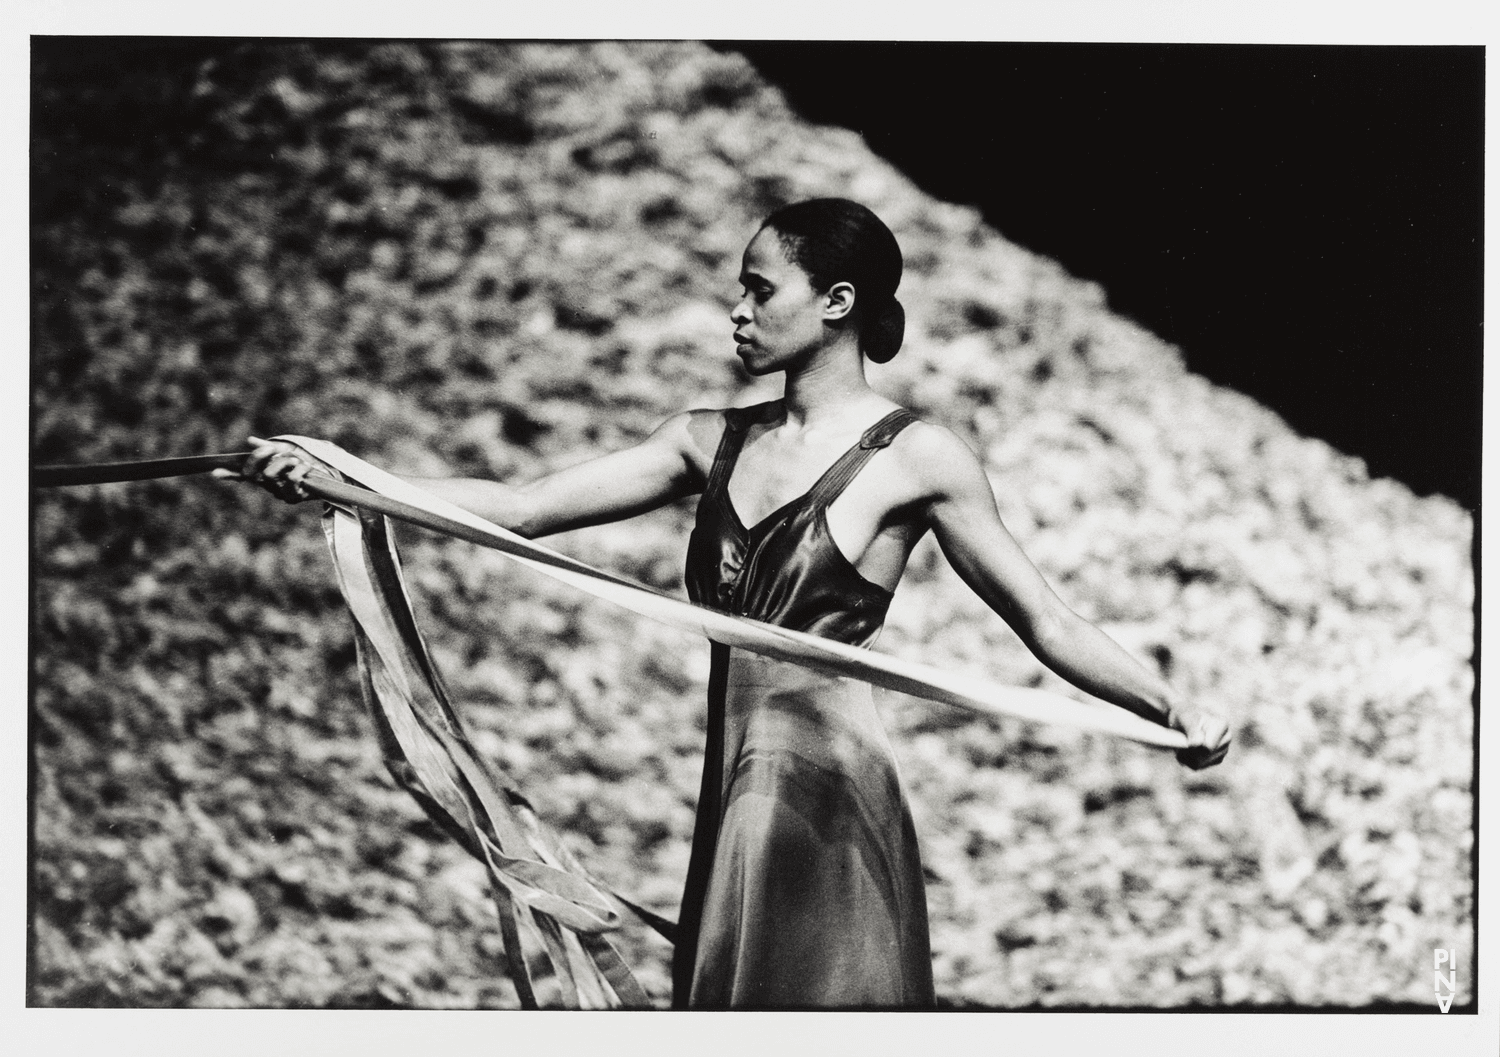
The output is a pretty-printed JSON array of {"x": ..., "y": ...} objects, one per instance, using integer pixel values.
[{"x": 665, "y": 467}]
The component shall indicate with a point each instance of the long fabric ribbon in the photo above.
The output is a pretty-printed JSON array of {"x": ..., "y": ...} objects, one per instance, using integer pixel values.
[
  {"x": 553, "y": 915},
  {"x": 541, "y": 891},
  {"x": 395, "y": 498},
  {"x": 819, "y": 654}
]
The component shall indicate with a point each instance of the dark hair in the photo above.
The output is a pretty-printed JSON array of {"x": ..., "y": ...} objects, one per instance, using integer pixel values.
[{"x": 835, "y": 240}]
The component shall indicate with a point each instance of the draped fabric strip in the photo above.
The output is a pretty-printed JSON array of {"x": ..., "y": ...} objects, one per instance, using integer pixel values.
[
  {"x": 549, "y": 907},
  {"x": 554, "y": 917},
  {"x": 823, "y": 655}
]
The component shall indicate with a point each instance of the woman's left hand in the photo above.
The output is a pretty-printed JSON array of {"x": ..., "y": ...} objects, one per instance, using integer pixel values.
[{"x": 1208, "y": 735}]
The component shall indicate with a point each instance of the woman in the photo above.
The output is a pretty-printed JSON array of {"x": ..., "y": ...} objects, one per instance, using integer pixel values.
[{"x": 804, "y": 886}]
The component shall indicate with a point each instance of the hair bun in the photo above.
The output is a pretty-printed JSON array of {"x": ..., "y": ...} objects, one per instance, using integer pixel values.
[{"x": 881, "y": 336}]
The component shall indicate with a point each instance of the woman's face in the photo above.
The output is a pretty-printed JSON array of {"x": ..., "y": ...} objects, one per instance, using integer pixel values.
[{"x": 780, "y": 317}]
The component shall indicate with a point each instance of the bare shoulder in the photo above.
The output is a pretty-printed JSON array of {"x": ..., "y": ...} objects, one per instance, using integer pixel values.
[
  {"x": 701, "y": 426},
  {"x": 694, "y": 434},
  {"x": 936, "y": 462}
]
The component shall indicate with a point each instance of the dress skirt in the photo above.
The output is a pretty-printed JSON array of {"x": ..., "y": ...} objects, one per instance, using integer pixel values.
[{"x": 806, "y": 886}]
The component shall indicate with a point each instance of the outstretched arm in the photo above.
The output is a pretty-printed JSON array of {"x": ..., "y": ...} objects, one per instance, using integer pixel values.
[
  {"x": 662, "y": 468},
  {"x": 962, "y": 514}
]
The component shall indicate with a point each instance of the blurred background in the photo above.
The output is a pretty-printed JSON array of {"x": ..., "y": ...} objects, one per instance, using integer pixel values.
[{"x": 498, "y": 259}]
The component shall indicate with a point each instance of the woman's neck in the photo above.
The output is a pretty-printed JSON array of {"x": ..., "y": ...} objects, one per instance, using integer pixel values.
[{"x": 827, "y": 386}]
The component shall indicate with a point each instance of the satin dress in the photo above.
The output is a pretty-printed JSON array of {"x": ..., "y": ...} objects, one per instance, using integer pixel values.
[{"x": 804, "y": 888}]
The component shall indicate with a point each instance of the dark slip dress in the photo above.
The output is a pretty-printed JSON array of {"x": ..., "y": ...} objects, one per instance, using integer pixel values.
[{"x": 804, "y": 887}]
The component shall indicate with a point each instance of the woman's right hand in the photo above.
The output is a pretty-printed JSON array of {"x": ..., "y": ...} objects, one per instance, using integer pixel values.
[{"x": 280, "y": 467}]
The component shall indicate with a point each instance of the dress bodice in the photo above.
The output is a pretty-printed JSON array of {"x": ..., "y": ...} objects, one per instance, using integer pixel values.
[{"x": 786, "y": 569}]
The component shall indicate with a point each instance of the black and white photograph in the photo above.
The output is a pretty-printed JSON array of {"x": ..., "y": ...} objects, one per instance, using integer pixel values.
[{"x": 975, "y": 528}]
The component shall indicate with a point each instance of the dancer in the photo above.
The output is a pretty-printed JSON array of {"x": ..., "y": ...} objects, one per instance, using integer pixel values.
[{"x": 804, "y": 887}]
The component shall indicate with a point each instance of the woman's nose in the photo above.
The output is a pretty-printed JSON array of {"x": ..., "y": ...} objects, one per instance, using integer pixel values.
[{"x": 740, "y": 314}]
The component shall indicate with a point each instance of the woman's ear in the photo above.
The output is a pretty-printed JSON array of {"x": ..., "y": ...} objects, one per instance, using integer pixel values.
[{"x": 838, "y": 302}]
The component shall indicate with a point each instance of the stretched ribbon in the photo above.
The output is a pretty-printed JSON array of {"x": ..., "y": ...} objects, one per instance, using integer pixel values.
[
  {"x": 147, "y": 470},
  {"x": 822, "y": 655},
  {"x": 395, "y": 498}
]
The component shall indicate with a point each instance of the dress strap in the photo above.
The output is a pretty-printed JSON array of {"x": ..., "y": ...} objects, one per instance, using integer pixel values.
[
  {"x": 883, "y": 432},
  {"x": 880, "y": 435},
  {"x": 737, "y": 423}
]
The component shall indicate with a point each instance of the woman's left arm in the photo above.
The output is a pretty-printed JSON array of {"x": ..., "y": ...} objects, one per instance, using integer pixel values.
[{"x": 960, "y": 509}]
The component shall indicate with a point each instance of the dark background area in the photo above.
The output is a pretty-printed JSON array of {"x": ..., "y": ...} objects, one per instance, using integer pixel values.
[{"x": 1304, "y": 222}]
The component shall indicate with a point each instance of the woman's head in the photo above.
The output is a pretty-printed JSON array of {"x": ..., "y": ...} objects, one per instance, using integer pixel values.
[{"x": 835, "y": 241}]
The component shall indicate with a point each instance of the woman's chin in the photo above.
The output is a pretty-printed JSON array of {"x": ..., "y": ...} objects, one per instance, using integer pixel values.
[{"x": 752, "y": 366}]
